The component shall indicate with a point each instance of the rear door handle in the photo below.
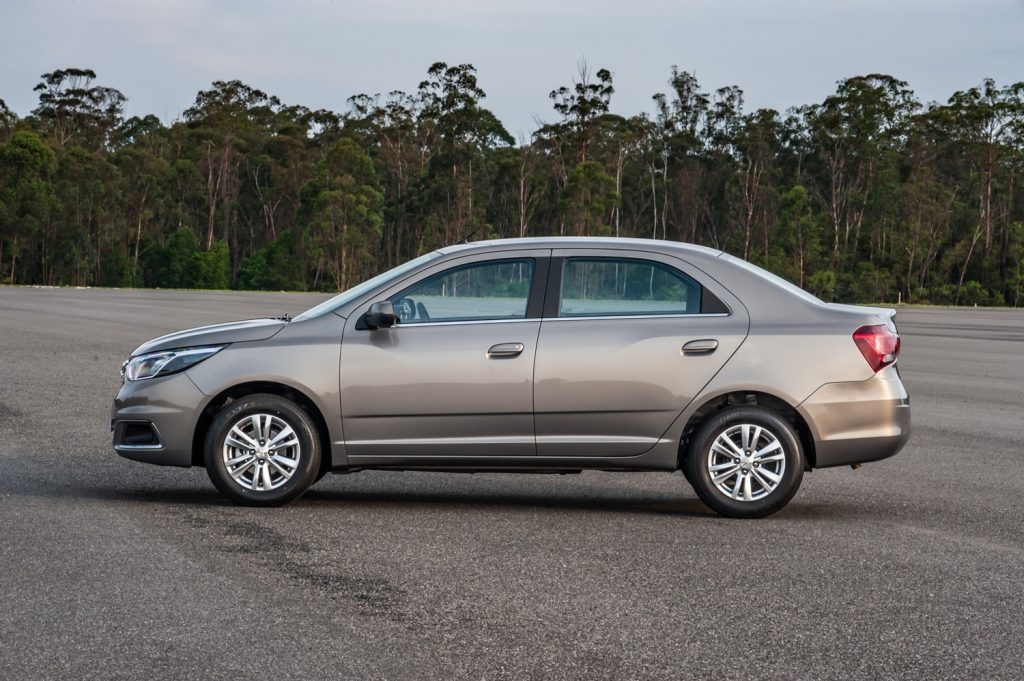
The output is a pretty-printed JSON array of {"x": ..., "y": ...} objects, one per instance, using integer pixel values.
[
  {"x": 700, "y": 347},
  {"x": 505, "y": 350}
]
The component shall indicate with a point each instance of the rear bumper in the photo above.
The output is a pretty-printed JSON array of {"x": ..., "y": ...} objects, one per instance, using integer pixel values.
[
  {"x": 153, "y": 420},
  {"x": 859, "y": 421}
]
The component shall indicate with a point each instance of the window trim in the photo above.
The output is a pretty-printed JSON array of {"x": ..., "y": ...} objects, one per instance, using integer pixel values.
[
  {"x": 682, "y": 315},
  {"x": 553, "y": 302}
]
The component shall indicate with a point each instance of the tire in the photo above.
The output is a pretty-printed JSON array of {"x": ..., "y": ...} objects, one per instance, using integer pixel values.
[
  {"x": 258, "y": 432},
  {"x": 774, "y": 476}
]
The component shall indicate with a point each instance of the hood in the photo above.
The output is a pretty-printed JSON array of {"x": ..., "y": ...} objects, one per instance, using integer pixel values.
[{"x": 216, "y": 334}]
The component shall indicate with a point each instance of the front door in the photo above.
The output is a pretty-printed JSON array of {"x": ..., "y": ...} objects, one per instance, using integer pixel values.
[
  {"x": 455, "y": 376},
  {"x": 628, "y": 340}
]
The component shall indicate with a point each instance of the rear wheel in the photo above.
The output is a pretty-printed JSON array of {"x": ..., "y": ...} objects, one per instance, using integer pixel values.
[
  {"x": 262, "y": 450},
  {"x": 745, "y": 462}
]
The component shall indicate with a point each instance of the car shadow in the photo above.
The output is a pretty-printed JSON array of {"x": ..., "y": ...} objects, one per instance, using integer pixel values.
[
  {"x": 394, "y": 498},
  {"x": 613, "y": 502},
  {"x": 398, "y": 496}
]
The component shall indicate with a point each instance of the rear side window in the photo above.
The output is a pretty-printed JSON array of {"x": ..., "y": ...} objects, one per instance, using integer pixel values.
[
  {"x": 492, "y": 290},
  {"x": 600, "y": 287}
]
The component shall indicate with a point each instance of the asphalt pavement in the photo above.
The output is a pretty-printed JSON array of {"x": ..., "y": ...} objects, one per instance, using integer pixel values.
[{"x": 911, "y": 567}]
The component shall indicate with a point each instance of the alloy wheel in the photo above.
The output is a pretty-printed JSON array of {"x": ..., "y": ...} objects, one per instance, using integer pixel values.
[
  {"x": 747, "y": 462},
  {"x": 261, "y": 452}
]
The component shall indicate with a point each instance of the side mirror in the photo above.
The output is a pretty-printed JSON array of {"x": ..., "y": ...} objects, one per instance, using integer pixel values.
[{"x": 381, "y": 315}]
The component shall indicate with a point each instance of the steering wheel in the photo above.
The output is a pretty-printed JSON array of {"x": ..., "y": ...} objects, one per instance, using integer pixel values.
[{"x": 405, "y": 309}]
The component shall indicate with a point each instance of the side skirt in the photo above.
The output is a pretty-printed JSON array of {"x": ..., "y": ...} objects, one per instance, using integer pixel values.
[{"x": 662, "y": 457}]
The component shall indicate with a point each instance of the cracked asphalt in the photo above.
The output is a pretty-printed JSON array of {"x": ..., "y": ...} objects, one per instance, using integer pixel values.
[{"x": 907, "y": 568}]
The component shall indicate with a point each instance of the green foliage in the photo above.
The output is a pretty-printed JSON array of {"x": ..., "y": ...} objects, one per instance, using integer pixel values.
[
  {"x": 797, "y": 236},
  {"x": 171, "y": 265},
  {"x": 212, "y": 268},
  {"x": 275, "y": 267},
  {"x": 71, "y": 109},
  {"x": 117, "y": 271},
  {"x": 823, "y": 284},
  {"x": 8, "y": 120},
  {"x": 588, "y": 199},
  {"x": 346, "y": 210},
  {"x": 181, "y": 263},
  {"x": 27, "y": 197},
  {"x": 1015, "y": 273},
  {"x": 864, "y": 197}
]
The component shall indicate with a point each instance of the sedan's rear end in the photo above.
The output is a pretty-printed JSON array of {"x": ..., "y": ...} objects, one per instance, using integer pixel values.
[
  {"x": 837, "y": 364},
  {"x": 858, "y": 421}
]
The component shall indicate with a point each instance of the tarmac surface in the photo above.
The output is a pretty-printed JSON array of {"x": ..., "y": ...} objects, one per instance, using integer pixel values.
[{"x": 909, "y": 567}]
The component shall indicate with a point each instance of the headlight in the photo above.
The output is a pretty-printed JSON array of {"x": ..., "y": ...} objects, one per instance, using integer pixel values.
[{"x": 166, "y": 362}]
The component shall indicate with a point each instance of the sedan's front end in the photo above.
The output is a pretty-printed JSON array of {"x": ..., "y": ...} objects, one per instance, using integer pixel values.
[
  {"x": 153, "y": 419},
  {"x": 155, "y": 412}
]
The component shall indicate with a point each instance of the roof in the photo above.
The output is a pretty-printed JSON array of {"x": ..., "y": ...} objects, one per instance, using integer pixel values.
[{"x": 585, "y": 241}]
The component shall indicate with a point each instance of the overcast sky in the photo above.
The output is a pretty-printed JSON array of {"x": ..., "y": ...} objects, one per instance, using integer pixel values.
[{"x": 319, "y": 52}]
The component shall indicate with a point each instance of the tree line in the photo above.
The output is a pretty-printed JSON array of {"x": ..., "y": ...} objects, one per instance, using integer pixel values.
[{"x": 868, "y": 196}]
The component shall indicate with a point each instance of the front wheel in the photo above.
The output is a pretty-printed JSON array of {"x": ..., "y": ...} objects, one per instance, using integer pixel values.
[
  {"x": 262, "y": 450},
  {"x": 745, "y": 462}
]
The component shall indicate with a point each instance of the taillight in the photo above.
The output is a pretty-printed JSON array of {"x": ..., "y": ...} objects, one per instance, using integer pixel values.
[{"x": 879, "y": 345}]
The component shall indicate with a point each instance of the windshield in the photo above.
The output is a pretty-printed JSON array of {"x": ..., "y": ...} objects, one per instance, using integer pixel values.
[
  {"x": 773, "y": 278},
  {"x": 351, "y": 294}
]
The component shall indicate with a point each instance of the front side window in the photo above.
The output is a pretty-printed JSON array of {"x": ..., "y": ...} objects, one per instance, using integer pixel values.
[
  {"x": 600, "y": 287},
  {"x": 493, "y": 290}
]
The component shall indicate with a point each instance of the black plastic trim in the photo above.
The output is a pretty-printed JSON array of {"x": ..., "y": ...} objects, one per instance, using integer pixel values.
[
  {"x": 538, "y": 288},
  {"x": 710, "y": 303},
  {"x": 553, "y": 293}
]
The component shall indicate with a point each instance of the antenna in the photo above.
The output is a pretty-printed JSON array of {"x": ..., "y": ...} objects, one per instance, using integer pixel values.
[{"x": 465, "y": 239}]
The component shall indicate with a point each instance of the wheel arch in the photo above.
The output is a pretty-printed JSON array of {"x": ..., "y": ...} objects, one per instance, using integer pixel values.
[
  {"x": 251, "y": 388},
  {"x": 752, "y": 398}
]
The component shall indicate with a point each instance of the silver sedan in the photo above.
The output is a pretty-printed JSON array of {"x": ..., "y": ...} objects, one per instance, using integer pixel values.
[{"x": 530, "y": 355}]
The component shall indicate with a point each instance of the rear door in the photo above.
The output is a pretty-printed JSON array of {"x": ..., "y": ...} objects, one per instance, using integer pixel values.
[{"x": 627, "y": 340}]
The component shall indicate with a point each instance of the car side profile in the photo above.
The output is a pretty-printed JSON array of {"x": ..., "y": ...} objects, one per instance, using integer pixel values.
[{"x": 530, "y": 355}]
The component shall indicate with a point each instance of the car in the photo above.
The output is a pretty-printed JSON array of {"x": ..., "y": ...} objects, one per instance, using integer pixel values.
[{"x": 552, "y": 355}]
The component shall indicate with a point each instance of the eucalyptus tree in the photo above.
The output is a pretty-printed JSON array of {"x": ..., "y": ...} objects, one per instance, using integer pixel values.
[
  {"x": 588, "y": 199},
  {"x": 73, "y": 110},
  {"x": 460, "y": 172},
  {"x": 854, "y": 133},
  {"x": 345, "y": 206},
  {"x": 582, "y": 105},
  {"x": 756, "y": 144},
  {"x": 389, "y": 128},
  {"x": 676, "y": 156},
  {"x": 142, "y": 159},
  {"x": 861, "y": 197},
  {"x": 8, "y": 121},
  {"x": 796, "y": 250},
  {"x": 985, "y": 125},
  {"x": 224, "y": 122},
  {"x": 27, "y": 200}
]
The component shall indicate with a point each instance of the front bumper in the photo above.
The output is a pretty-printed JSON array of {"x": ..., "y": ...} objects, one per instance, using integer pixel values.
[
  {"x": 858, "y": 421},
  {"x": 154, "y": 420}
]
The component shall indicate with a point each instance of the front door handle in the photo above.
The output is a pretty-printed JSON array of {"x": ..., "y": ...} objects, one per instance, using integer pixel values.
[
  {"x": 704, "y": 346},
  {"x": 505, "y": 350}
]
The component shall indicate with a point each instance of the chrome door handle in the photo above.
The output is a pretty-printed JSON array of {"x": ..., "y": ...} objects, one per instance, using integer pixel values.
[
  {"x": 700, "y": 347},
  {"x": 505, "y": 350}
]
